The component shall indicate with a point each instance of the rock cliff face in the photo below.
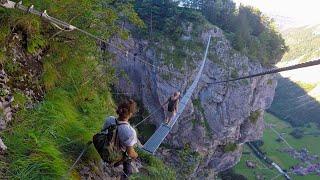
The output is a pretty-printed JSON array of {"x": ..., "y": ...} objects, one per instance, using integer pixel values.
[
  {"x": 220, "y": 117},
  {"x": 19, "y": 86}
]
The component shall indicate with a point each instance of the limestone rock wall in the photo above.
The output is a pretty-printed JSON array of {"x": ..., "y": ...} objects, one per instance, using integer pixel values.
[{"x": 219, "y": 115}]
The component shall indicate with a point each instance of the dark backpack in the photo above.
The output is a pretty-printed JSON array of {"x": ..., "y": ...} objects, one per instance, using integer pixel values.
[
  {"x": 108, "y": 144},
  {"x": 172, "y": 104}
]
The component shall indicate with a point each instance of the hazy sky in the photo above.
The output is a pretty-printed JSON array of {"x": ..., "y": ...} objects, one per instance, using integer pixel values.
[{"x": 302, "y": 11}]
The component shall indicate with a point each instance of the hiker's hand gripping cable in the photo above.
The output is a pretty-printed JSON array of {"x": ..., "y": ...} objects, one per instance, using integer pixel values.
[{"x": 132, "y": 153}]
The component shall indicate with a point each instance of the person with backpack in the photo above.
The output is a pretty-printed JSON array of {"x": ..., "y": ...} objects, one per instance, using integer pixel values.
[
  {"x": 116, "y": 142},
  {"x": 172, "y": 109}
]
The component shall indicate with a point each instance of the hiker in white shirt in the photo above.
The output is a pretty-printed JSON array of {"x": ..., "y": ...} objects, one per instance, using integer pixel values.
[{"x": 126, "y": 133}]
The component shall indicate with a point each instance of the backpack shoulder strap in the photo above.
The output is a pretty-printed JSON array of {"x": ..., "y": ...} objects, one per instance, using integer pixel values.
[
  {"x": 113, "y": 118},
  {"x": 116, "y": 137}
]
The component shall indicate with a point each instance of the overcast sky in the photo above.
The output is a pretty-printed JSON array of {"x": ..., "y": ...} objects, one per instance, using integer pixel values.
[{"x": 303, "y": 12}]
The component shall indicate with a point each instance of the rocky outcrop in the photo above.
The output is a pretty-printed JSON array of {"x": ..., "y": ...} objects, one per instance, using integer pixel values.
[
  {"x": 103, "y": 171},
  {"x": 220, "y": 117},
  {"x": 19, "y": 86},
  {"x": 5, "y": 101},
  {"x": 3, "y": 147}
]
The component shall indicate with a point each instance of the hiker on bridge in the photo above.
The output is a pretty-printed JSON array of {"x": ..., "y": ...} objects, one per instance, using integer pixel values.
[
  {"x": 126, "y": 134},
  {"x": 172, "y": 109}
]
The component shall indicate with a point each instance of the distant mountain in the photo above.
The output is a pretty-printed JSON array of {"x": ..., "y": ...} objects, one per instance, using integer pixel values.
[
  {"x": 283, "y": 22},
  {"x": 298, "y": 92},
  {"x": 303, "y": 42}
]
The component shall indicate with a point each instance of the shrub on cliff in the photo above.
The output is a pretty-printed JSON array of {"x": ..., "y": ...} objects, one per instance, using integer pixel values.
[
  {"x": 153, "y": 168},
  {"x": 248, "y": 29},
  {"x": 229, "y": 147},
  {"x": 189, "y": 160},
  {"x": 254, "y": 116}
]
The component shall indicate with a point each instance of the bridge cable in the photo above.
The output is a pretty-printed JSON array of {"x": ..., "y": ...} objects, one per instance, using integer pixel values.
[
  {"x": 68, "y": 27},
  {"x": 273, "y": 71}
]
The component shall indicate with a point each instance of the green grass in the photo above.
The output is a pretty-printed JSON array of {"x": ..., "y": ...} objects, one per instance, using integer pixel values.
[
  {"x": 234, "y": 73},
  {"x": 189, "y": 160},
  {"x": 303, "y": 43},
  {"x": 197, "y": 104},
  {"x": 229, "y": 147},
  {"x": 310, "y": 141},
  {"x": 207, "y": 127},
  {"x": 271, "y": 147},
  {"x": 254, "y": 116},
  {"x": 262, "y": 168},
  {"x": 306, "y": 86},
  {"x": 153, "y": 168},
  {"x": 19, "y": 99},
  {"x": 194, "y": 122},
  {"x": 43, "y": 142},
  {"x": 180, "y": 53},
  {"x": 10, "y": 66}
]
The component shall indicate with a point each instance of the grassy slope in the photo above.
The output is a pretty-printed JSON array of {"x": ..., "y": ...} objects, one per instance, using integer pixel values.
[
  {"x": 271, "y": 145},
  {"x": 303, "y": 43},
  {"x": 44, "y": 141}
]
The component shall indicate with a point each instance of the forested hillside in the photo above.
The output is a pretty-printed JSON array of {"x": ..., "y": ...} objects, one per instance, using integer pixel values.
[
  {"x": 249, "y": 31},
  {"x": 304, "y": 44}
]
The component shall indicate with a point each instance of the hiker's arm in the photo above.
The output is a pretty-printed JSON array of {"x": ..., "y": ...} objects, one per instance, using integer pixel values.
[
  {"x": 177, "y": 105},
  {"x": 131, "y": 152},
  {"x": 165, "y": 103}
]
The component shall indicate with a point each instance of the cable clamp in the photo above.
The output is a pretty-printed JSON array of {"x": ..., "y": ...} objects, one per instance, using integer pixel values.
[
  {"x": 30, "y": 8},
  {"x": 44, "y": 14},
  {"x": 71, "y": 27},
  {"x": 18, "y": 4}
]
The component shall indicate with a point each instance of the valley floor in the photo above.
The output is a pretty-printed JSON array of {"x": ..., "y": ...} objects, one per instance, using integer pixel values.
[{"x": 272, "y": 147}]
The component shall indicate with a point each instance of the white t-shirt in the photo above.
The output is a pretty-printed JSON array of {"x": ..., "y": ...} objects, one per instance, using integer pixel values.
[{"x": 126, "y": 133}]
